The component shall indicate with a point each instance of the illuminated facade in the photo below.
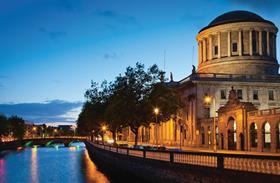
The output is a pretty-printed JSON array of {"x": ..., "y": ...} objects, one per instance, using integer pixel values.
[{"x": 237, "y": 49}]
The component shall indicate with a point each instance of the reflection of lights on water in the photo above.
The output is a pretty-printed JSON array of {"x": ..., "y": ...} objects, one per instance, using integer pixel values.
[
  {"x": 56, "y": 147},
  {"x": 34, "y": 166},
  {"x": 2, "y": 167},
  {"x": 72, "y": 148},
  {"x": 34, "y": 148},
  {"x": 19, "y": 148},
  {"x": 92, "y": 174}
]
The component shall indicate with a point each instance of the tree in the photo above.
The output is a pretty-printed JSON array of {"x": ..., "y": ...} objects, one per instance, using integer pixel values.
[
  {"x": 93, "y": 112},
  {"x": 135, "y": 95},
  {"x": 167, "y": 99},
  {"x": 17, "y": 126},
  {"x": 4, "y": 125}
]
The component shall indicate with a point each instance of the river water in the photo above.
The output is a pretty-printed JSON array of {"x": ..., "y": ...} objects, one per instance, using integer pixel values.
[{"x": 49, "y": 164}]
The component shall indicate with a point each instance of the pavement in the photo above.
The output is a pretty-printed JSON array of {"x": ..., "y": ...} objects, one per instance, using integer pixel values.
[{"x": 200, "y": 149}]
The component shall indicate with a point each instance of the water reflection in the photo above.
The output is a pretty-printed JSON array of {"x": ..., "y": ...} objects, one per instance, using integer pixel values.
[
  {"x": 48, "y": 164},
  {"x": 91, "y": 172},
  {"x": 34, "y": 166},
  {"x": 2, "y": 168}
]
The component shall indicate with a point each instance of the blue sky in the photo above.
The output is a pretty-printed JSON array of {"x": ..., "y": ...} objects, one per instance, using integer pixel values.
[{"x": 50, "y": 50}]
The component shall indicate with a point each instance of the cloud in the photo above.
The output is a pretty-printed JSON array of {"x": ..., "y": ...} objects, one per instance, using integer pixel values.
[
  {"x": 53, "y": 34},
  {"x": 263, "y": 5},
  {"x": 45, "y": 112},
  {"x": 118, "y": 17},
  {"x": 111, "y": 55}
]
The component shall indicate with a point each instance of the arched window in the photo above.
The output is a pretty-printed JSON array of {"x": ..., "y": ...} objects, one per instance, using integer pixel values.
[
  {"x": 232, "y": 138},
  {"x": 278, "y": 135},
  {"x": 266, "y": 135},
  {"x": 253, "y": 135},
  {"x": 217, "y": 135},
  {"x": 202, "y": 136}
]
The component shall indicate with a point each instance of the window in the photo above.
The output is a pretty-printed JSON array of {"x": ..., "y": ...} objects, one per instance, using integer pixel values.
[
  {"x": 239, "y": 94},
  {"x": 217, "y": 135},
  {"x": 216, "y": 50},
  {"x": 278, "y": 136},
  {"x": 234, "y": 47},
  {"x": 266, "y": 135},
  {"x": 253, "y": 135},
  {"x": 223, "y": 94},
  {"x": 255, "y": 95},
  {"x": 254, "y": 41},
  {"x": 202, "y": 136},
  {"x": 270, "y": 95}
]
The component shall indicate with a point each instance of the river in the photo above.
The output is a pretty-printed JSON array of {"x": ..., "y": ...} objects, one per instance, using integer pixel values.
[{"x": 49, "y": 164}]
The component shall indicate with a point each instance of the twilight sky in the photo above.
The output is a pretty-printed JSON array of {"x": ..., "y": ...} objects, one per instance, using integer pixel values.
[{"x": 51, "y": 49}]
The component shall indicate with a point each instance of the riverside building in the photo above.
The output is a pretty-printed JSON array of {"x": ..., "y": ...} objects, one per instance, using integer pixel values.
[{"x": 232, "y": 99}]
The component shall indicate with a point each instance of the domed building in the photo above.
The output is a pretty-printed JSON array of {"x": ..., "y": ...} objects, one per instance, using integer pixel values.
[
  {"x": 232, "y": 100},
  {"x": 238, "y": 42}
]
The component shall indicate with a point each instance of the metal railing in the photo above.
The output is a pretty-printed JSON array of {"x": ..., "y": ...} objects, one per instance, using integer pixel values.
[
  {"x": 57, "y": 137},
  {"x": 266, "y": 164}
]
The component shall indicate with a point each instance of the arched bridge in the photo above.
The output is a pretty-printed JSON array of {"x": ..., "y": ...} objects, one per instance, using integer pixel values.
[{"x": 48, "y": 141}]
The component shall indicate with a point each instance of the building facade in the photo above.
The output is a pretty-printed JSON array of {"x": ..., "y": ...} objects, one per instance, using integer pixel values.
[{"x": 232, "y": 99}]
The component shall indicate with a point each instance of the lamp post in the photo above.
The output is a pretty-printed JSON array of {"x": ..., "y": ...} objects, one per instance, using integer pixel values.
[
  {"x": 207, "y": 100},
  {"x": 103, "y": 128},
  {"x": 156, "y": 111},
  {"x": 34, "y": 129}
]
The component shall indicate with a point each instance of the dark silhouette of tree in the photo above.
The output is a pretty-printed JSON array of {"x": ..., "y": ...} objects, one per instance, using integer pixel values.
[
  {"x": 128, "y": 102},
  {"x": 17, "y": 126},
  {"x": 4, "y": 125}
]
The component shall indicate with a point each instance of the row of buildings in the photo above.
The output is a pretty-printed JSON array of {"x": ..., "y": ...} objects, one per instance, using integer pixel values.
[{"x": 232, "y": 100}]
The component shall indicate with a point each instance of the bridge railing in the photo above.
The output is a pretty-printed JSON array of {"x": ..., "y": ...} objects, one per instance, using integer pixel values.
[
  {"x": 242, "y": 162},
  {"x": 57, "y": 137}
]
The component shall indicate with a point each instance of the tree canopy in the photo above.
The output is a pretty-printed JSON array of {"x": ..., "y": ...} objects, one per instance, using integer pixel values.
[{"x": 128, "y": 101}]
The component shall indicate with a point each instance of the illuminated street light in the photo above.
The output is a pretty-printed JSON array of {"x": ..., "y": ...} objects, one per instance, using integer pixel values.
[
  {"x": 104, "y": 128},
  {"x": 34, "y": 129},
  {"x": 207, "y": 100},
  {"x": 156, "y": 111}
]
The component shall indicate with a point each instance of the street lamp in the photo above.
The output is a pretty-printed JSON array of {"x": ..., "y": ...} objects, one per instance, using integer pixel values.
[
  {"x": 34, "y": 130},
  {"x": 208, "y": 99},
  {"x": 103, "y": 128},
  {"x": 156, "y": 111}
]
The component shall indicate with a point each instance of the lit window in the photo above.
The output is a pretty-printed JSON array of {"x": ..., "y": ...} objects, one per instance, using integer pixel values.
[
  {"x": 239, "y": 94},
  {"x": 223, "y": 94},
  {"x": 270, "y": 95},
  {"x": 266, "y": 135},
  {"x": 234, "y": 47},
  {"x": 255, "y": 95}
]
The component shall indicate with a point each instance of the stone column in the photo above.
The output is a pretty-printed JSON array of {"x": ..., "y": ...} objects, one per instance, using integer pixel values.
[
  {"x": 250, "y": 43},
  {"x": 204, "y": 50},
  {"x": 260, "y": 43},
  {"x": 229, "y": 44},
  {"x": 267, "y": 43},
  {"x": 219, "y": 45},
  {"x": 210, "y": 50},
  {"x": 240, "y": 43},
  {"x": 199, "y": 52}
]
